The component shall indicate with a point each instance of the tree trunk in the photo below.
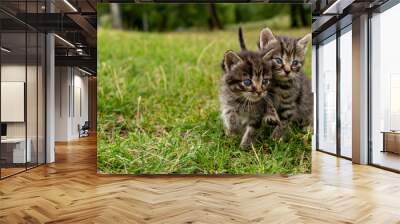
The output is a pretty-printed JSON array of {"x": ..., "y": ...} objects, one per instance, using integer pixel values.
[
  {"x": 304, "y": 17},
  {"x": 293, "y": 16},
  {"x": 145, "y": 22},
  {"x": 214, "y": 21},
  {"x": 116, "y": 16}
]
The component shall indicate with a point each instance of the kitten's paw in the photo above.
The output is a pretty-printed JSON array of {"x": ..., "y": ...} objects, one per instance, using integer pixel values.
[
  {"x": 248, "y": 138},
  {"x": 231, "y": 123},
  {"x": 231, "y": 132},
  {"x": 277, "y": 133},
  {"x": 246, "y": 145},
  {"x": 271, "y": 119},
  {"x": 309, "y": 129}
]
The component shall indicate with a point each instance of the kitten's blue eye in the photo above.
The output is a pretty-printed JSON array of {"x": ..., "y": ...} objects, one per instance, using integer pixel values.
[
  {"x": 265, "y": 81},
  {"x": 247, "y": 82},
  {"x": 295, "y": 62},
  {"x": 279, "y": 61}
]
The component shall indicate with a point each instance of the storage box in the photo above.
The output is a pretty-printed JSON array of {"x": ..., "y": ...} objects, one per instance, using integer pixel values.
[{"x": 391, "y": 142}]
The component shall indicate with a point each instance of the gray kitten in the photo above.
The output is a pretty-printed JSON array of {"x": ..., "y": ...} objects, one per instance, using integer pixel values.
[
  {"x": 243, "y": 94},
  {"x": 290, "y": 88}
]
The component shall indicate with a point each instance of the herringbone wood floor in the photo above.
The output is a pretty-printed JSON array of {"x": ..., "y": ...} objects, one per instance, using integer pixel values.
[{"x": 70, "y": 191}]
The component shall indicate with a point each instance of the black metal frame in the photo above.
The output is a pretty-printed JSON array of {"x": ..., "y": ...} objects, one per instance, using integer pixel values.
[
  {"x": 44, "y": 80},
  {"x": 369, "y": 115},
  {"x": 0, "y": 87},
  {"x": 338, "y": 73},
  {"x": 316, "y": 97}
]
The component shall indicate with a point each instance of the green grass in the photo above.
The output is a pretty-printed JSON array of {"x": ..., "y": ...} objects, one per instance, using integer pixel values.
[{"x": 158, "y": 109}]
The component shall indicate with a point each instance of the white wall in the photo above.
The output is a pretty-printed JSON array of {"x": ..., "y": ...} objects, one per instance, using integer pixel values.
[
  {"x": 12, "y": 73},
  {"x": 80, "y": 94},
  {"x": 62, "y": 81},
  {"x": 70, "y": 83},
  {"x": 13, "y": 101},
  {"x": 33, "y": 126}
]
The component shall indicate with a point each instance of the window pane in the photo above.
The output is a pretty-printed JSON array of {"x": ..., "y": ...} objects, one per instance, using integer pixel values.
[
  {"x": 327, "y": 96},
  {"x": 41, "y": 99},
  {"x": 31, "y": 97},
  {"x": 345, "y": 92},
  {"x": 385, "y": 86},
  {"x": 15, "y": 151}
]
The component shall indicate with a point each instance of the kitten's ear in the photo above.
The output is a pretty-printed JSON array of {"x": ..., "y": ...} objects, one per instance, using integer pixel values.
[
  {"x": 303, "y": 42},
  {"x": 230, "y": 59},
  {"x": 266, "y": 37}
]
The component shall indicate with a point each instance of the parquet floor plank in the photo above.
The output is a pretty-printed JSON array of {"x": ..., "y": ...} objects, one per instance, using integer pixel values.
[{"x": 70, "y": 191}]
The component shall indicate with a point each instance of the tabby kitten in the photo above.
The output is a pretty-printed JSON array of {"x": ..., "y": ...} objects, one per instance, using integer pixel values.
[
  {"x": 290, "y": 88},
  {"x": 243, "y": 94}
]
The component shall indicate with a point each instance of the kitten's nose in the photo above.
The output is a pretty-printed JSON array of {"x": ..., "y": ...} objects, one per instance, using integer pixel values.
[{"x": 287, "y": 70}]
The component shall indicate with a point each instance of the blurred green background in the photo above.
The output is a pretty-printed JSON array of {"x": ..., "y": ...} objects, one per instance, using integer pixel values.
[{"x": 169, "y": 17}]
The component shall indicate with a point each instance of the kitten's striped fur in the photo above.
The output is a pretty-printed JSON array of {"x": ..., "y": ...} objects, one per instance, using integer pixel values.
[
  {"x": 290, "y": 88},
  {"x": 245, "y": 107}
]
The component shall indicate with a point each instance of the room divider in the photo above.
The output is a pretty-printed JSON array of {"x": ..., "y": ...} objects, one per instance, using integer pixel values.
[{"x": 22, "y": 77}]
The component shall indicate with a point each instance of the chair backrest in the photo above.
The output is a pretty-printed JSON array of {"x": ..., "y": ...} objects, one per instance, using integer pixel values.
[{"x": 86, "y": 125}]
